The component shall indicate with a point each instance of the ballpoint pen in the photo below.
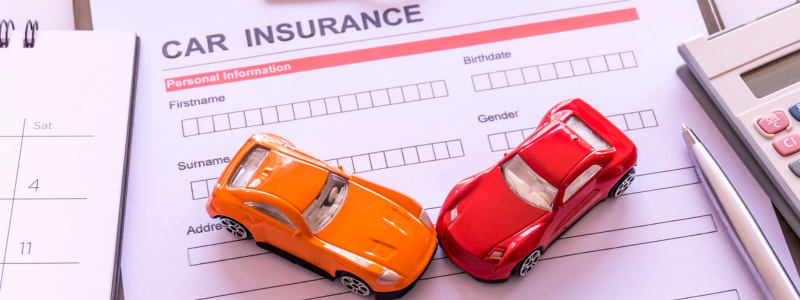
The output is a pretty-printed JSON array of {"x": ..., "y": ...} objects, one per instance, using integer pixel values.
[{"x": 758, "y": 255}]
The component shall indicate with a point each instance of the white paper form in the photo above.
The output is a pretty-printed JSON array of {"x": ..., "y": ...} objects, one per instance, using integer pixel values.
[
  {"x": 65, "y": 110},
  {"x": 411, "y": 117}
]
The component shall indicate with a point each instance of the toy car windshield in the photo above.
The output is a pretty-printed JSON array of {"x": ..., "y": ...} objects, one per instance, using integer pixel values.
[
  {"x": 327, "y": 204},
  {"x": 527, "y": 184},
  {"x": 587, "y": 134},
  {"x": 244, "y": 172}
]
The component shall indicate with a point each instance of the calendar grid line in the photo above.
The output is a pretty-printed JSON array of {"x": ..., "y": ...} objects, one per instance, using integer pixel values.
[{"x": 13, "y": 195}]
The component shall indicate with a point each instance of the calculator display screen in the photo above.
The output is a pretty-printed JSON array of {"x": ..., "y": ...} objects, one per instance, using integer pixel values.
[{"x": 774, "y": 75}]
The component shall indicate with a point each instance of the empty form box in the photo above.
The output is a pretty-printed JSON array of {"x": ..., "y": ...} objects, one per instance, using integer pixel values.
[
  {"x": 633, "y": 121},
  {"x": 531, "y": 74},
  {"x": 301, "y": 110},
  {"x": 439, "y": 89},
  {"x": 253, "y": 117},
  {"x": 628, "y": 60},
  {"x": 481, "y": 82},
  {"x": 221, "y": 122},
  {"x": 614, "y": 62},
  {"x": 364, "y": 100},
  {"x": 498, "y": 79},
  {"x": 581, "y": 67},
  {"x": 333, "y": 105},
  {"x": 269, "y": 115},
  {"x": 318, "y": 108},
  {"x": 285, "y": 113},
  {"x": 410, "y": 93},
  {"x": 547, "y": 72},
  {"x": 206, "y": 124},
  {"x": 380, "y": 98},
  {"x": 515, "y": 77},
  {"x": 564, "y": 69},
  {"x": 237, "y": 120},
  {"x": 348, "y": 102},
  {"x": 190, "y": 127},
  {"x": 598, "y": 64},
  {"x": 425, "y": 91},
  {"x": 616, "y": 238},
  {"x": 223, "y": 251}
]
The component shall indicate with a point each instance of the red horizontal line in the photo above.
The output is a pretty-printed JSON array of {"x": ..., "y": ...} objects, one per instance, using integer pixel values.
[{"x": 399, "y": 50}]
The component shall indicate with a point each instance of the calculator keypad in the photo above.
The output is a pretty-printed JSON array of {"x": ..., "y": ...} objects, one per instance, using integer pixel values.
[{"x": 773, "y": 126}]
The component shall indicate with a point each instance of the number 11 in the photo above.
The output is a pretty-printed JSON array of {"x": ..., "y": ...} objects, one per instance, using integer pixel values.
[{"x": 23, "y": 248}]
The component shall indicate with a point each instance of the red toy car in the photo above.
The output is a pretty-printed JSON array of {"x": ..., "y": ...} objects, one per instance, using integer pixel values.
[{"x": 499, "y": 221}]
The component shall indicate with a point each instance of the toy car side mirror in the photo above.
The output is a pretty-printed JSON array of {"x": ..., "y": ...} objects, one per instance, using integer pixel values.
[{"x": 340, "y": 168}]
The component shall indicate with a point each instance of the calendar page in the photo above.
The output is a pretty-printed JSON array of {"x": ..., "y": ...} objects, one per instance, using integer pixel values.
[{"x": 65, "y": 108}]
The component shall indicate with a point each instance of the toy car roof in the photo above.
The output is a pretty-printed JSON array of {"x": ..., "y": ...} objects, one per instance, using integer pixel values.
[{"x": 554, "y": 153}]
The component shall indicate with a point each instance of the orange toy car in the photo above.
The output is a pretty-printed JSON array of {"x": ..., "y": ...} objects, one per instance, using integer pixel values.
[{"x": 340, "y": 226}]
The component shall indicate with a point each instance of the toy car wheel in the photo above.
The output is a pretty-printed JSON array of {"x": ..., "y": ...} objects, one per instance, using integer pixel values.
[
  {"x": 235, "y": 228},
  {"x": 355, "y": 284},
  {"x": 525, "y": 266},
  {"x": 622, "y": 184}
]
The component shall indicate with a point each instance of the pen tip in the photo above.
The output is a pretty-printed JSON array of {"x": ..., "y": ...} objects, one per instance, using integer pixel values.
[{"x": 684, "y": 126}]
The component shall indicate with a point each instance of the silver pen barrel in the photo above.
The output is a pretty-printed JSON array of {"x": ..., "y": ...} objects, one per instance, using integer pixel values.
[{"x": 740, "y": 224}]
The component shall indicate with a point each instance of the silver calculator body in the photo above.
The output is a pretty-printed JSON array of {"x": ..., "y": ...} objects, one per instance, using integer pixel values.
[{"x": 752, "y": 73}]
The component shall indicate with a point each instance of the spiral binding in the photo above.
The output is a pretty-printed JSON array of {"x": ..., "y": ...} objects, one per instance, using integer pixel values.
[
  {"x": 34, "y": 26},
  {"x": 4, "y": 39}
]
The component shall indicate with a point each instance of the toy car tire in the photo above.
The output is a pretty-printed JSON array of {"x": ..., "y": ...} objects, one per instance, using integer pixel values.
[
  {"x": 622, "y": 184},
  {"x": 355, "y": 285},
  {"x": 235, "y": 228},
  {"x": 525, "y": 265}
]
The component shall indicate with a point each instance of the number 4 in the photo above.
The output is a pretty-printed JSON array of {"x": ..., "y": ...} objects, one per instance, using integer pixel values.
[{"x": 34, "y": 185}]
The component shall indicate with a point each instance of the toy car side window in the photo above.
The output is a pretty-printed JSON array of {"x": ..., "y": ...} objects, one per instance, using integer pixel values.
[
  {"x": 272, "y": 212},
  {"x": 247, "y": 167},
  {"x": 580, "y": 181}
]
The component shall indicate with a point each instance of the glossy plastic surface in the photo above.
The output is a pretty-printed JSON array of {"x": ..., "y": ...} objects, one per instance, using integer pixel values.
[
  {"x": 492, "y": 218},
  {"x": 375, "y": 228}
]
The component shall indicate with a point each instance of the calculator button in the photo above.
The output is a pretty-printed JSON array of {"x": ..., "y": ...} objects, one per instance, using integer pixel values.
[
  {"x": 788, "y": 144},
  {"x": 795, "y": 111},
  {"x": 795, "y": 167},
  {"x": 774, "y": 123}
]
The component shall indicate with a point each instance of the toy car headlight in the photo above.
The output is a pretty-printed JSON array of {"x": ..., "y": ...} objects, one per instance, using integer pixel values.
[
  {"x": 423, "y": 216},
  {"x": 388, "y": 276},
  {"x": 496, "y": 255},
  {"x": 453, "y": 214}
]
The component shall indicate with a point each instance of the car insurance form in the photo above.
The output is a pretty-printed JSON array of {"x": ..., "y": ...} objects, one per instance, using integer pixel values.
[{"x": 417, "y": 96}]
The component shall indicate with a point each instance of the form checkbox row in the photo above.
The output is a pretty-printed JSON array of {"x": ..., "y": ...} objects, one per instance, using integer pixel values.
[
  {"x": 553, "y": 71},
  {"x": 201, "y": 189},
  {"x": 502, "y": 141},
  {"x": 314, "y": 108},
  {"x": 400, "y": 157}
]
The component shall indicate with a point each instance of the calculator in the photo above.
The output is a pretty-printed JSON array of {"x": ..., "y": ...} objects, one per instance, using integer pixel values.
[{"x": 752, "y": 73}]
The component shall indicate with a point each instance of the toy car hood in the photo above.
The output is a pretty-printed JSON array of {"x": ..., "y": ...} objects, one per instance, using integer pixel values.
[{"x": 374, "y": 227}]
